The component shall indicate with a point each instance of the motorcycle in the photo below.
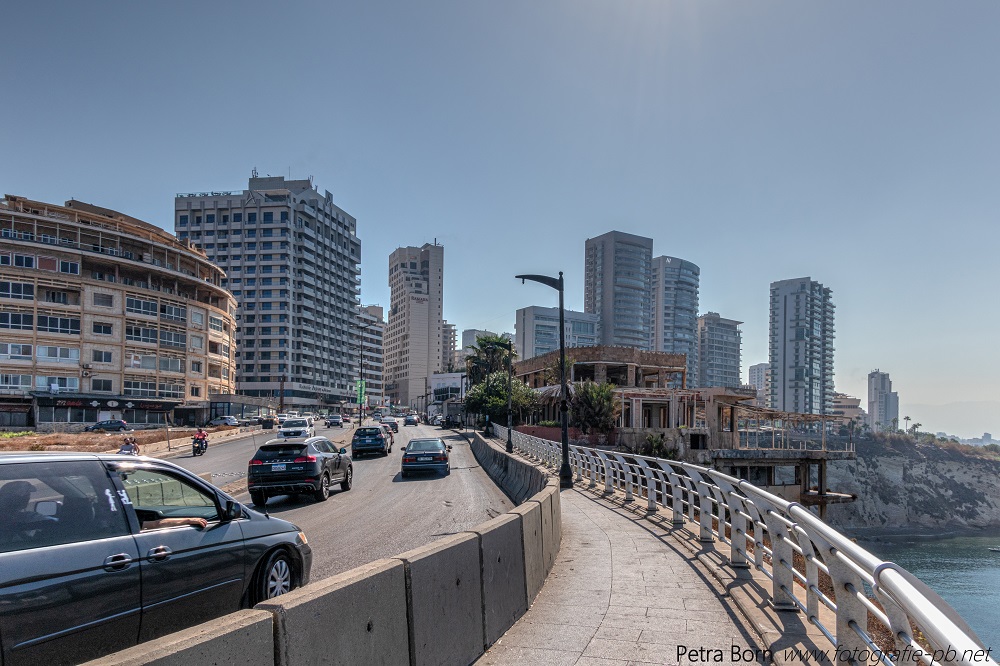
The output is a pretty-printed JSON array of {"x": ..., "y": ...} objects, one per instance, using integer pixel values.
[
  {"x": 128, "y": 450},
  {"x": 198, "y": 446}
]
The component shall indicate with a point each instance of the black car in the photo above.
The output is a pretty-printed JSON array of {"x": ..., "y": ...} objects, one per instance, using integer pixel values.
[
  {"x": 370, "y": 439},
  {"x": 310, "y": 466},
  {"x": 411, "y": 419},
  {"x": 392, "y": 423},
  {"x": 425, "y": 455},
  {"x": 101, "y": 552},
  {"x": 114, "y": 425}
]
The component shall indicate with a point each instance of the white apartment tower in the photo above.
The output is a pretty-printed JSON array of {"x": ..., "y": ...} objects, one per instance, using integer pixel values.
[
  {"x": 675, "y": 310},
  {"x": 719, "y": 342},
  {"x": 371, "y": 331},
  {"x": 292, "y": 260},
  {"x": 801, "y": 346},
  {"x": 536, "y": 330},
  {"x": 449, "y": 337},
  {"x": 760, "y": 379},
  {"x": 415, "y": 334},
  {"x": 883, "y": 402}
]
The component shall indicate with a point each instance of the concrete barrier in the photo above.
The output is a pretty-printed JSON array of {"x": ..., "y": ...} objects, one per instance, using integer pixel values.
[
  {"x": 534, "y": 561},
  {"x": 504, "y": 590},
  {"x": 549, "y": 548},
  {"x": 444, "y": 590},
  {"x": 357, "y": 617},
  {"x": 245, "y": 638}
]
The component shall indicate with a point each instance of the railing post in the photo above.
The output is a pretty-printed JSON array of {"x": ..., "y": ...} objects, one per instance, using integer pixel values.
[
  {"x": 737, "y": 526},
  {"x": 607, "y": 473},
  {"x": 677, "y": 503},
  {"x": 626, "y": 476},
  {"x": 782, "y": 580},
  {"x": 850, "y": 610},
  {"x": 647, "y": 471}
]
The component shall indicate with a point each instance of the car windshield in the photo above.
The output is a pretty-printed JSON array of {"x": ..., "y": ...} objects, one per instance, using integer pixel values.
[
  {"x": 295, "y": 423},
  {"x": 369, "y": 432},
  {"x": 418, "y": 445}
]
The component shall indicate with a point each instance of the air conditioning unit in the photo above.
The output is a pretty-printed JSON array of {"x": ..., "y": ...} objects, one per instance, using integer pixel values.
[{"x": 87, "y": 366}]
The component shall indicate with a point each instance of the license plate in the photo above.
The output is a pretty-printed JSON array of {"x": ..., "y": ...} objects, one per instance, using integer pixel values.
[
  {"x": 423, "y": 458},
  {"x": 277, "y": 467}
]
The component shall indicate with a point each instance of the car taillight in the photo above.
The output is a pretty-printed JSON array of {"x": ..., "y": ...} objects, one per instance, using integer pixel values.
[
  {"x": 305, "y": 459},
  {"x": 408, "y": 459},
  {"x": 440, "y": 458},
  {"x": 256, "y": 462}
]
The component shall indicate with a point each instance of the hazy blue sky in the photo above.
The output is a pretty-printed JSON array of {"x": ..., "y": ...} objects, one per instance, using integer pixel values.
[{"x": 857, "y": 143}]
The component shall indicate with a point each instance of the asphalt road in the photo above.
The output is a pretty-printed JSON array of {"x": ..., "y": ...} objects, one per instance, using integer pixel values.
[{"x": 383, "y": 514}]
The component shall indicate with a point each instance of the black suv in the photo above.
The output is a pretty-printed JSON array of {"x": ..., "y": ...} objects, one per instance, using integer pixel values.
[
  {"x": 290, "y": 467},
  {"x": 370, "y": 439},
  {"x": 101, "y": 552},
  {"x": 116, "y": 425}
]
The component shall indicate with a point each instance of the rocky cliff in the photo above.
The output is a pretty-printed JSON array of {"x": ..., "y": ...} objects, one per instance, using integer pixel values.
[{"x": 903, "y": 486}]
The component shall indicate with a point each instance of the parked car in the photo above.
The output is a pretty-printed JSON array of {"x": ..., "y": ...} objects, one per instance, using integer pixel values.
[
  {"x": 223, "y": 421},
  {"x": 392, "y": 423},
  {"x": 411, "y": 419},
  {"x": 297, "y": 427},
  {"x": 126, "y": 566},
  {"x": 283, "y": 467},
  {"x": 114, "y": 425},
  {"x": 422, "y": 455},
  {"x": 334, "y": 420},
  {"x": 371, "y": 439}
]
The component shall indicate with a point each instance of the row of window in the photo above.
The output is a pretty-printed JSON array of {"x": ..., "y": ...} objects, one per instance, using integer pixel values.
[
  {"x": 46, "y": 323},
  {"x": 248, "y": 233},
  {"x": 40, "y": 262},
  {"x": 136, "y": 388},
  {"x": 268, "y": 216}
]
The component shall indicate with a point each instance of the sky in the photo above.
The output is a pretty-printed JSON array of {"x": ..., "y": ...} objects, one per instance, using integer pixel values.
[{"x": 854, "y": 143}]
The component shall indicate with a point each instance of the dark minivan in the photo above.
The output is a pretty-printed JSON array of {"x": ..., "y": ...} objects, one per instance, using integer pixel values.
[
  {"x": 101, "y": 552},
  {"x": 296, "y": 467}
]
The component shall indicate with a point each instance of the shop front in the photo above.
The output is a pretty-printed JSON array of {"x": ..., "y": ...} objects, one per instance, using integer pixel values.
[{"x": 69, "y": 412}]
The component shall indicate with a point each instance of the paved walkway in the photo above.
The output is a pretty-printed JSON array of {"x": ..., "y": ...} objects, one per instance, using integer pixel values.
[{"x": 622, "y": 591}]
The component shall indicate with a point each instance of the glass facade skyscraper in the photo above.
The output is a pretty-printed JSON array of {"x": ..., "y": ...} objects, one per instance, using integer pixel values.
[
  {"x": 801, "y": 346},
  {"x": 675, "y": 285},
  {"x": 618, "y": 287}
]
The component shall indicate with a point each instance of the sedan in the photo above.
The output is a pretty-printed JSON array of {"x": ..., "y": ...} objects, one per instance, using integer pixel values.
[
  {"x": 116, "y": 425},
  {"x": 411, "y": 419},
  {"x": 392, "y": 423},
  {"x": 102, "y": 552},
  {"x": 426, "y": 455},
  {"x": 282, "y": 467},
  {"x": 223, "y": 421}
]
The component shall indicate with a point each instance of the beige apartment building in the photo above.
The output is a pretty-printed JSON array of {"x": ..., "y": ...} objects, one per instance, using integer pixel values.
[
  {"x": 414, "y": 337},
  {"x": 103, "y": 316}
]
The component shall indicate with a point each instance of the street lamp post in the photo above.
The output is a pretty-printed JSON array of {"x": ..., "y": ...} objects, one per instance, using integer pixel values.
[{"x": 565, "y": 473}]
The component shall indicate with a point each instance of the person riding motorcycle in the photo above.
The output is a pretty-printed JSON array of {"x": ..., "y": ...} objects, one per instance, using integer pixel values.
[
  {"x": 200, "y": 440},
  {"x": 129, "y": 447}
]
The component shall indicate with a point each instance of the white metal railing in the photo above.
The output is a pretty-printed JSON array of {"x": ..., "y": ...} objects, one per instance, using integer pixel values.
[{"x": 796, "y": 550}]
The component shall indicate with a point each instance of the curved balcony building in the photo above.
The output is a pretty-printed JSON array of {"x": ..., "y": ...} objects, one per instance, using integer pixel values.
[{"x": 103, "y": 316}]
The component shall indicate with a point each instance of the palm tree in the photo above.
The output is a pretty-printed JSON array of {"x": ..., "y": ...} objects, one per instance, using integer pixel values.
[
  {"x": 907, "y": 420},
  {"x": 487, "y": 356},
  {"x": 913, "y": 430}
]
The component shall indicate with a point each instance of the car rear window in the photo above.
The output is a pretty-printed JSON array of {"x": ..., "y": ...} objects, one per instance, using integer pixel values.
[
  {"x": 369, "y": 432},
  {"x": 279, "y": 451},
  {"x": 424, "y": 445}
]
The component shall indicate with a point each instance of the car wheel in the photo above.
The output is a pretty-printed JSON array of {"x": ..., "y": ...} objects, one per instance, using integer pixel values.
[
  {"x": 323, "y": 492},
  {"x": 275, "y": 577},
  {"x": 258, "y": 498},
  {"x": 121, "y": 429},
  {"x": 348, "y": 480}
]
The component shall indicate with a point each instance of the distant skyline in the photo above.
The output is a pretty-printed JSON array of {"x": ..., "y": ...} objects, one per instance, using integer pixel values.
[{"x": 856, "y": 144}]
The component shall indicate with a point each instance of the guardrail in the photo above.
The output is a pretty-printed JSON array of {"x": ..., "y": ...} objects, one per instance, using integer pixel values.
[{"x": 773, "y": 535}]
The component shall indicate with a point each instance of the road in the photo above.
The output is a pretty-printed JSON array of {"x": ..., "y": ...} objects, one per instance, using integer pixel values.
[{"x": 383, "y": 514}]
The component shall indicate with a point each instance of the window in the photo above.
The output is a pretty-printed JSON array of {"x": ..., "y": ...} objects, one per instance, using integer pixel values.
[
  {"x": 195, "y": 391},
  {"x": 20, "y": 290},
  {"x": 140, "y": 389},
  {"x": 171, "y": 391},
  {"x": 237, "y": 217},
  {"x": 173, "y": 312},
  {"x": 100, "y": 385},
  {"x": 252, "y": 218},
  {"x": 183, "y": 221},
  {"x": 171, "y": 364},
  {"x": 104, "y": 300},
  {"x": 15, "y": 351},
  {"x": 269, "y": 217},
  {"x": 284, "y": 216},
  {"x": 197, "y": 342},
  {"x": 68, "y": 325},
  {"x": 100, "y": 356},
  {"x": 173, "y": 338},
  {"x": 21, "y": 382},
  {"x": 24, "y": 260},
  {"x": 210, "y": 218},
  {"x": 71, "y": 267},
  {"x": 198, "y": 318},
  {"x": 23, "y": 322},
  {"x": 62, "y": 383},
  {"x": 196, "y": 367},
  {"x": 140, "y": 306},
  {"x": 102, "y": 328},
  {"x": 215, "y": 323},
  {"x": 188, "y": 501},
  {"x": 58, "y": 354},
  {"x": 139, "y": 333}
]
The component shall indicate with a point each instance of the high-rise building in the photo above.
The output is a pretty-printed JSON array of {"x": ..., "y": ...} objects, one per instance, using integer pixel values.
[
  {"x": 371, "y": 331},
  {"x": 883, "y": 402},
  {"x": 103, "y": 316},
  {"x": 292, "y": 259},
  {"x": 618, "y": 287},
  {"x": 719, "y": 342},
  {"x": 801, "y": 346},
  {"x": 415, "y": 335},
  {"x": 449, "y": 337},
  {"x": 469, "y": 337},
  {"x": 760, "y": 379},
  {"x": 536, "y": 330},
  {"x": 675, "y": 310}
]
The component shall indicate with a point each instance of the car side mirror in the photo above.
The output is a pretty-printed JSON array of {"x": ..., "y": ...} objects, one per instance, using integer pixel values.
[
  {"x": 343, "y": 450},
  {"x": 47, "y": 508},
  {"x": 232, "y": 511},
  {"x": 449, "y": 447}
]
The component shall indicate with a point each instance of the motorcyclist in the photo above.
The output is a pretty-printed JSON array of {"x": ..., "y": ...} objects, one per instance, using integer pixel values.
[
  {"x": 129, "y": 447},
  {"x": 201, "y": 438}
]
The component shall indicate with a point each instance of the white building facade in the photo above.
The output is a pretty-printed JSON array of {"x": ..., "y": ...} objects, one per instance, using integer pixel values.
[
  {"x": 371, "y": 332},
  {"x": 719, "y": 351},
  {"x": 801, "y": 346},
  {"x": 536, "y": 330},
  {"x": 675, "y": 285},
  {"x": 414, "y": 339},
  {"x": 760, "y": 378}
]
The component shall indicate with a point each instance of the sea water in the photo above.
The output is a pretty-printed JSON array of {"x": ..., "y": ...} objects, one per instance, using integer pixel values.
[{"x": 961, "y": 569}]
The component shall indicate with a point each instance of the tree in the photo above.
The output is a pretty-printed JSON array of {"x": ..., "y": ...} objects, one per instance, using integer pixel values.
[
  {"x": 594, "y": 407},
  {"x": 487, "y": 356},
  {"x": 913, "y": 429},
  {"x": 907, "y": 420},
  {"x": 489, "y": 397}
]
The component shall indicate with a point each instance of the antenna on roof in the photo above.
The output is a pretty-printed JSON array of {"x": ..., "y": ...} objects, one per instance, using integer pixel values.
[{"x": 253, "y": 174}]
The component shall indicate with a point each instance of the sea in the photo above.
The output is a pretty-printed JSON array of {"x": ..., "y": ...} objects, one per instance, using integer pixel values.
[{"x": 961, "y": 569}]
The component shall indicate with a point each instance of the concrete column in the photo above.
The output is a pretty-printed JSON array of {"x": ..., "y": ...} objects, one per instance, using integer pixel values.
[
  {"x": 601, "y": 373},
  {"x": 661, "y": 379},
  {"x": 630, "y": 375}
]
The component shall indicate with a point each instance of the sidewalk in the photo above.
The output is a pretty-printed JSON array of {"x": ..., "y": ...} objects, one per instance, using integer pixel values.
[{"x": 623, "y": 591}]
